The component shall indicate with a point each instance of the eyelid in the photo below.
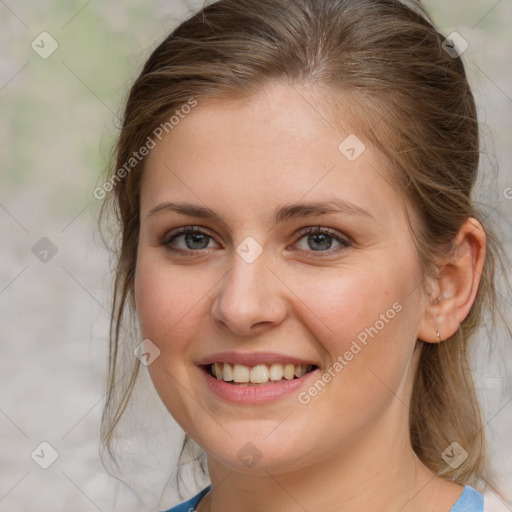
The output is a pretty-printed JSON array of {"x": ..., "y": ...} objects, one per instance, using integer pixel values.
[
  {"x": 166, "y": 240},
  {"x": 184, "y": 230},
  {"x": 344, "y": 240}
]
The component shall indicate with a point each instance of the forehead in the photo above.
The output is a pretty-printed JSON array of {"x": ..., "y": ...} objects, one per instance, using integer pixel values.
[{"x": 278, "y": 146}]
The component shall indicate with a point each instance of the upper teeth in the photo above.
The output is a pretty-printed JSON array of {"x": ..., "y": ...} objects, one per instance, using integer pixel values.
[{"x": 258, "y": 374}]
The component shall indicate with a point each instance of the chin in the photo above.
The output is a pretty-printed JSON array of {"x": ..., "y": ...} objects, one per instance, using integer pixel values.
[{"x": 259, "y": 454}]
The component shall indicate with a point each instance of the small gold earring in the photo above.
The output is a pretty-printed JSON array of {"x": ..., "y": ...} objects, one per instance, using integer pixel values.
[
  {"x": 438, "y": 300},
  {"x": 437, "y": 334}
]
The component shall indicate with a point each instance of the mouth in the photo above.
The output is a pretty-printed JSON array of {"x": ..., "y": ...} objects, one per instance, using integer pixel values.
[{"x": 259, "y": 374}]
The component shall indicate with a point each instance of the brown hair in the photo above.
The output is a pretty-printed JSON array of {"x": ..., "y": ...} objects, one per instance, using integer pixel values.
[{"x": 407, "y": 96}]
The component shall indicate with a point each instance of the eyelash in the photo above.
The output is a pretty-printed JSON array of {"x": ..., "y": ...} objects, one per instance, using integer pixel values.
[{"x": 307, "y": 231}]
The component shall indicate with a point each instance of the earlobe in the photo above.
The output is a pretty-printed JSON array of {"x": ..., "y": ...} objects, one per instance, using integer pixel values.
[
  {"x": 439, "y": 323},
  {"x": 456, "y": 286}
]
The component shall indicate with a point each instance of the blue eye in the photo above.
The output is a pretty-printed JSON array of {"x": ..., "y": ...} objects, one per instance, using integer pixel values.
[
  {"x": 195, "y": 239},
  {"x": 318, "y": 240},
  {"x": 321, "y": 239}
]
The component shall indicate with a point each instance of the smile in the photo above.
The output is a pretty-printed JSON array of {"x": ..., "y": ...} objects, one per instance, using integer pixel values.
[{"x": 258, "y": 374}]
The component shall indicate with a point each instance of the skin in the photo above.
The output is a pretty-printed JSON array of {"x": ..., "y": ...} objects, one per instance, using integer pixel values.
[{"x": 348, "y": 448}]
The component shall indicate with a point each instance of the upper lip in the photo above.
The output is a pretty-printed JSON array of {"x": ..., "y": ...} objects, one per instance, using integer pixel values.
[{"x": 251, "y": 358}]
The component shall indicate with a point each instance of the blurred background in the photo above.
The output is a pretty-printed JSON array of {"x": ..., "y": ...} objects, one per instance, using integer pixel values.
[{"x": 65, "y": 69}]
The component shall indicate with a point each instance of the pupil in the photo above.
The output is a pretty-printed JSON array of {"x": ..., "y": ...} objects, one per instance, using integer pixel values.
[
  {"x": 325, "y": 240},
  {"x": 192, "y": 237}
]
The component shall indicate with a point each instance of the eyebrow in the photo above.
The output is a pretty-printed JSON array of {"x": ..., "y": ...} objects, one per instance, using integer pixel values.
[{"x": 282, "y": 213}]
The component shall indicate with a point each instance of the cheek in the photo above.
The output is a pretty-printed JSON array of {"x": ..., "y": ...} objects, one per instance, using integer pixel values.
[
  {"x": 166, "y": 300},
  {"x": 367, "y": 315},
  {"x": 168, "y": 303},
  {"x": 346, "y": 301}
]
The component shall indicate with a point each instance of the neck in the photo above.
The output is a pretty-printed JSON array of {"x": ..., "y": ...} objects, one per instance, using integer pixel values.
[{"x": 378, "y": 472}]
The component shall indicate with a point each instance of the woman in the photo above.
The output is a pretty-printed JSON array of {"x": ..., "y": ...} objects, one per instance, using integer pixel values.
[{"x": 299, "y": 244}]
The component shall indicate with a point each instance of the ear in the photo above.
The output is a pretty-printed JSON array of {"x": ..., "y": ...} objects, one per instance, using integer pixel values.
[{"x": 454, "y": 291}]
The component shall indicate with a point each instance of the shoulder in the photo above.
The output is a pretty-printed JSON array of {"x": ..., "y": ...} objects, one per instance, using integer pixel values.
[
  {"x": 470, "y": 501},
  {"x": 190, "y": 505},
  {"x": 473, "y": 501}
]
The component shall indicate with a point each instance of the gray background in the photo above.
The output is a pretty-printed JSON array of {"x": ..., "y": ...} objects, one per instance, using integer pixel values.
[{"x": 57, "y": 124}]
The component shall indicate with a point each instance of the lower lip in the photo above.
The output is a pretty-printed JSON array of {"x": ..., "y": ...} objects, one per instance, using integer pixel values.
[{"x": 255, "y": 394}]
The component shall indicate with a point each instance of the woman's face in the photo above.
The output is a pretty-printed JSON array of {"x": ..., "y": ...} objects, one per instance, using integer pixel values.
[{"x": 253, "y": 288}]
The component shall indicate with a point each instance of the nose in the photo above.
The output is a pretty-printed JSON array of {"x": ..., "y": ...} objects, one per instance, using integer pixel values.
[{"x": 250, "y": 299}]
